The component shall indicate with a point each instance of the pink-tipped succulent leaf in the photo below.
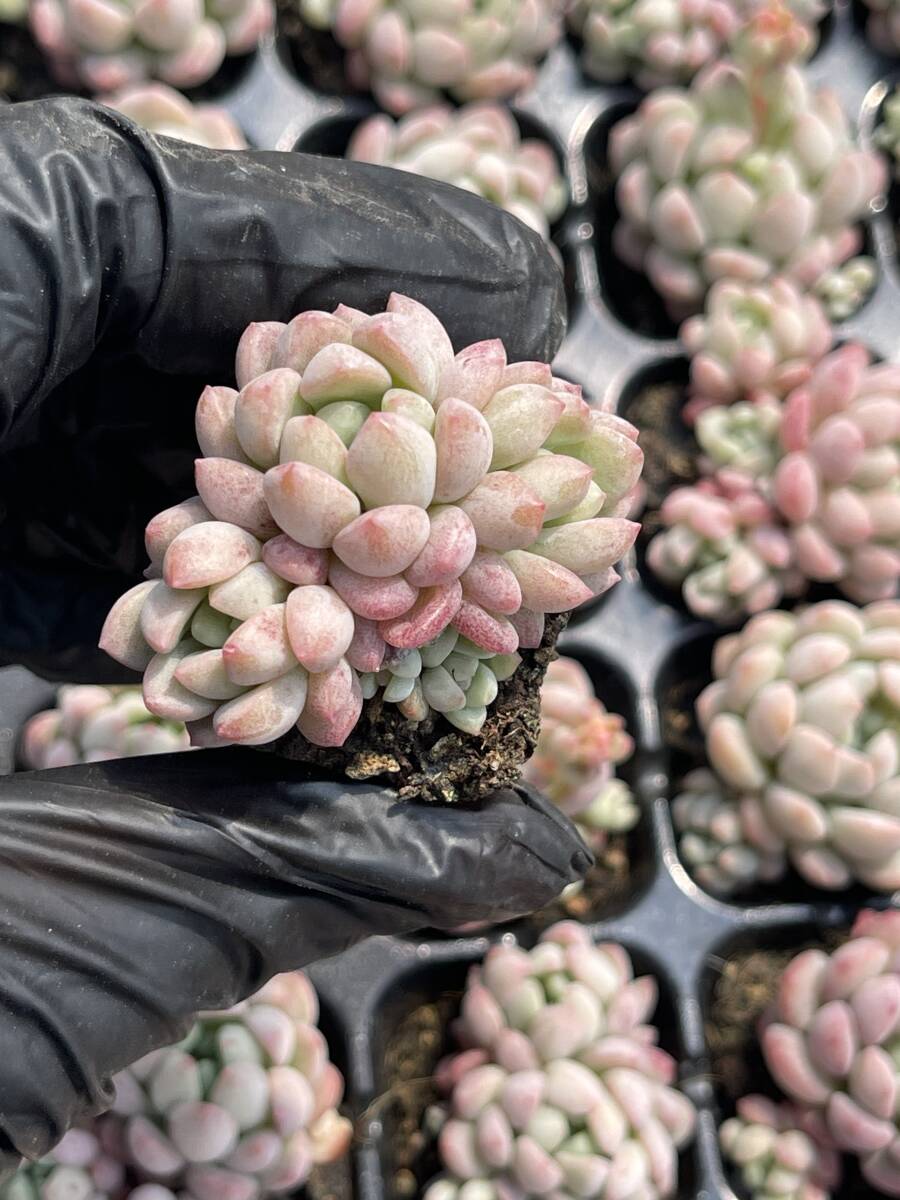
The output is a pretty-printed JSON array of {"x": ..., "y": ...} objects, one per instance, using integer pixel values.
[
  {"x": 772, "y": 1148},
  {"x": 163, "y": 110}
]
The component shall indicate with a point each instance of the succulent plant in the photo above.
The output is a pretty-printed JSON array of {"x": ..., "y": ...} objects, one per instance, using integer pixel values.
[
  {"x": 754, "y": 342},
  {"x": 746, "y": 174},
  {"x": 832, "y": 1043},
  {"x": 410, "y": 51},
  {"x": 164, "y": 111},
  {"x": 241, "y": 1109},
  {"x": 775, "y": 1155},
  {"x": 245, "y": 1105},
  {"x": 579, "y": 746},
  {"x": 559, "y": 1087},
  {"x": 724, "y": 545},
  {"x": 802, "y": 723},
  {"x": 716, "y": 837},
  {"x": 837, "y": 485},
  {"x": 92, "y": 723},
  {"x": 844, "y": 289},
  {"x": 105, "y": 45},
  {"x": 659, "y": 42},
  {"x": 370, "y": 503},
  {"x": 477, "y": 147},
  {"x": 883, "y": 25},
  {"x": 79, "y": 1168},
  {"x": 13, "y": 12}
]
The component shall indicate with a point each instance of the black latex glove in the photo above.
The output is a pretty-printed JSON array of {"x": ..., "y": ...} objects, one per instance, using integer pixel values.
[{"x": 133, "y": 893}]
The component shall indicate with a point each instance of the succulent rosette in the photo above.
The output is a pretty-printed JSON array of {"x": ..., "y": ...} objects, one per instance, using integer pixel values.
[
  {"x": 887, "y": 135},
  {"x": 560, "y": 1087},
  {"x": 883, "y": 25},
  {"x": 775, "y": 1155},
  {"x": 411, "y": 51},
  {"x": 725, "y": 546},
  {"x": 580, "y": 745},
  {"x": 747, "y": 174},
  {"x": 375, "y": 516},
  {"x": 832, "y": 1043},
  {"x": 837, "y": 484},
  {"x": 92, "y": 723},
  {"x": 659, "y": 42},
  {"x": 754, "y": 343},
  {"x": 719, "y": 837},
  {"x": 164, "y": 111},
  {"x": 105, "y": 45},
  {"x": 802, "y": 723},
  {"x": 477, "y": 147},
  {"x": 242, "y": 1109}
]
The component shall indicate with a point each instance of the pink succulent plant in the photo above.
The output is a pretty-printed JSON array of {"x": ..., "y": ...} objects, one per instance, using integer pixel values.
[
  {"x": 579, "y": 746},
  {"x": 660, "y": 42},
  {"x": 164, "y": 111},
  {"x": 801, "y": 722},
  {"x": 832, "y": 1043},
  {"x": 775, "y": 1155},
  {"x": 106, "y": 45},
  {"x": 559, "y": 1087},
  {"x": 410, "y": 51},
  {"x": 92, "y": 724},
  {"x": 373, "y": 512},
  {"x": 477, "y": 147},
  {"x": 244, "y": 1107},
  {"x": 746, "y": 174}
]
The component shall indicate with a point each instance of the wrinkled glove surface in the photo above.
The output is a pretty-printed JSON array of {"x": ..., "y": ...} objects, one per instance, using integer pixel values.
[{"x": 133, "y": 893}]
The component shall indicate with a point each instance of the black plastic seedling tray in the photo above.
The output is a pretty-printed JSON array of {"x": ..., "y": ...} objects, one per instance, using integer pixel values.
[{"x": 385, "y": 1003}]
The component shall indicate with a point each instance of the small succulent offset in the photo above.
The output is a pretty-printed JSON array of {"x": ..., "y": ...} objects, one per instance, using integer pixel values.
[
  {"x": 725, "y": 546},
  {"x": 410, "y": 51},
  {"x": 477, "y": 147},
  {"x": 804, "y": 489},
  {"x": 775, "y": 1155},
  {"x": 105, "y": 45},
  {"x": 746, "y": 174},
  {"x": 92, "y": 724},
  {"x": 164, "y": 111},
  {"x": 883, "y": 25},
  {"x": 244, "y": 1107},
  {"x": 832, "y": 1043},
  {"x": 373, "y": 512},
  {"x": 559, "y": 1087},
  {"x": 659, "y": 42},
  {"x": 579, "y": 746},
  {"x": 802, "y": 726}
]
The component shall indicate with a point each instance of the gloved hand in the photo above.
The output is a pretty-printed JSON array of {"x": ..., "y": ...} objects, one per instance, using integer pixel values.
[{"x": 135, "y": 892}]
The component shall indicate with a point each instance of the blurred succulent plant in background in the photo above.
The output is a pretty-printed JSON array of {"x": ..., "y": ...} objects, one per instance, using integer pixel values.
[
  {"x": 832, "y": 1041},
  {"x": 164, "y": 111},
  {"x": 477, "y": 147},
  {"x": 659, "y": 42},
  {"x": 774, "y": 1154},
  {"x": 801, "y": 725},
  {"x": 13, "y": 11},
  {"x": 105, "y": 45},
  {"x": 883, "y": 25},
  {"x": 242, "y": 1109},
  {"x": 92, "y": 723},
  {"x": 580, "y": 745},
  {"x": 724, "y": 546},
  {"x": 559, "y": 1086},
  {"x": 799, "y": 490},
  {"x": 373, "y": 513},
  {"x": 411, "y": 51},
  {"x": 754, "y": 343},
  {"x": 748, "y": 173},
  {"x": 887, "y": 134}
]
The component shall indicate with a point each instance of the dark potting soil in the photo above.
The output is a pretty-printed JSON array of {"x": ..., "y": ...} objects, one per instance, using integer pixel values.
[
  {"x": 431, "y": 760},
  {"x": 23, "y": 70},
  {"x": 332, "y": 1181},
  {"x": 314, "y": 55},
  {"x": 670, "y": 451}
]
